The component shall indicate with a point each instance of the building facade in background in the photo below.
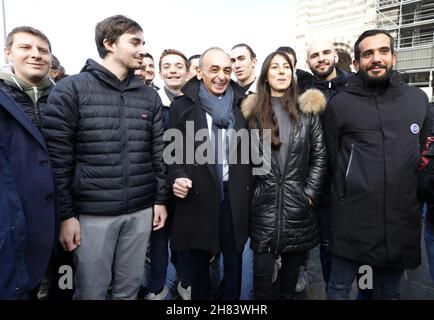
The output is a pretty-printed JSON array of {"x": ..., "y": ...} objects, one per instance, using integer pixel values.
[
  {"x": 412, "y": 25},
  {"x": 340, "y": 21},
  {"x": 411, "y": 22}
]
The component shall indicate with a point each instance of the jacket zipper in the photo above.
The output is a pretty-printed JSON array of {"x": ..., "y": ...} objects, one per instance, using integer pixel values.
[
  {"x": 280, "y": 214},
  {"x": 124, "y": 157},
  {"x": 280, "y": 190},
  {"x": 384, "y": 161},
  {"x": 35, "y": 104},
  {"x": 37, "y": 110},
  {"x": 347, "y": 172},
  {"x": 35, "y": 91}
]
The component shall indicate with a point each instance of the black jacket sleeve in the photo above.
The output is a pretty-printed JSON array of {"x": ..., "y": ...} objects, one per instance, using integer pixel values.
[
  {"x": 332, "y": 133},
  {"x": 318, "y": 160},
  {"x": 426, "y": 126},
  {"x": 176, "y": 170},
  {"x": 59, "y": 129},
  {"x": 158, "y": 164}
]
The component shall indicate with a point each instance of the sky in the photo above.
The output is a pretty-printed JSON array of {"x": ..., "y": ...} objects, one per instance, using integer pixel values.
[{"x": 190, "y": 26}]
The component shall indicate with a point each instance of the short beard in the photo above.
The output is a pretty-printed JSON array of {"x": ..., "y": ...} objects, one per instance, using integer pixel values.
[
  {"x": 324, "y": 74},
  {"x": 376, "y": 82}
]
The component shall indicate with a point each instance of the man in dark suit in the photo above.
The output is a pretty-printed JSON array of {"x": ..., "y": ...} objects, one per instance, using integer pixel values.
[{"x": 212, "y": 196}]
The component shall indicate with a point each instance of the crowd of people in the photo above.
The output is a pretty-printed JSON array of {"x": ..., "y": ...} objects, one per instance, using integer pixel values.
[{"x": 85, "y": 179}]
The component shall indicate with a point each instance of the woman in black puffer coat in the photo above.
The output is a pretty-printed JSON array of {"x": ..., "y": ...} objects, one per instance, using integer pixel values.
[{"x": 282, "y": 219}]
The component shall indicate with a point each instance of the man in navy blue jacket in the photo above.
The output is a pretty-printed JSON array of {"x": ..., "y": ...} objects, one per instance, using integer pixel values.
[{"x": 27, "y": 206}]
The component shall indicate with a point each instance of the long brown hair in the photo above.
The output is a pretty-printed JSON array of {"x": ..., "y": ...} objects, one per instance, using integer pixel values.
[{"x": 263, "y": 109}]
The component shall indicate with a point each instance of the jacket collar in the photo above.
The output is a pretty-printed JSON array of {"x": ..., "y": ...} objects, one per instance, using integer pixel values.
[
  {"x": 15, "y": 111},
  {"x": 34, "y": 92},
  {"x": 312, "y": 101},
  {"x": 105, "y": 75},
  {"x": 396, "y": 87},
  {"x": 337, "y": 82}
]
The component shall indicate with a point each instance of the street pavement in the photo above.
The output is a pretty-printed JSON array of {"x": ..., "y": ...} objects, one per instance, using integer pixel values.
[{"x": 416, "y": 284}]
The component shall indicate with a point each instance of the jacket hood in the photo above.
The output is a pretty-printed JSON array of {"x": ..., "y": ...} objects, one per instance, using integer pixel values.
[
  {"x": 312, "y": 101},
  {"x": 337, "y": 82},
  {"x": 92, "y": 65},
  {"x": 109, "y": 77},
  {"x": 16, "y": 82},
  {"x": 34, "y": 92}
]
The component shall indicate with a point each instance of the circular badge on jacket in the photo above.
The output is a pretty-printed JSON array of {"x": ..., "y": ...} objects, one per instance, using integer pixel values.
[{"x": 414, "y": 128}]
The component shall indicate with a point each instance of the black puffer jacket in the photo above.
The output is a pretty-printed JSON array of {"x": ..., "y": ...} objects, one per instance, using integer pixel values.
[
  {"x": 335, "y": 85},
  {"x": 328, "y": 88},
  {"x": 105, "y": 139},
  {"x": 281, "y": 218},
  {"x": 34, "y": 111}
]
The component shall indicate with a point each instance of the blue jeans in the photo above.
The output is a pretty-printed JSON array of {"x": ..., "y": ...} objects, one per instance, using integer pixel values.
[
  {"x": 429, "y": 245},
  {"x": 423, "y": 207},
  {"x": 156, "y": 272},
  {"x": 386, "y": 281},
  {"x": 159, "y": 255}
]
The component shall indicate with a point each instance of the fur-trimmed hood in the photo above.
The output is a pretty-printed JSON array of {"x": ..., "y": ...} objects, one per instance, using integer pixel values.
[{"x": 312, "y": 101}]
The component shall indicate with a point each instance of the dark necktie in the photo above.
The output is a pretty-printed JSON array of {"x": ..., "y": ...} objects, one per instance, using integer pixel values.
[{"x": 218, "y": 162}]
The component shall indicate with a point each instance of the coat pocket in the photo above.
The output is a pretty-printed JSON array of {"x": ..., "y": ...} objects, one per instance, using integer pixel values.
[
  {"x": 255, "y": 198},
  {"x": 343, "y": 173},
  {"x": 303, "y": 196},
  {"x": 347, "y": 174}
]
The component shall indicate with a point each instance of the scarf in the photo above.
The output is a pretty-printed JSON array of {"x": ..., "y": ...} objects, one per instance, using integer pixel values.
[{"x": 220, "y": 110}]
